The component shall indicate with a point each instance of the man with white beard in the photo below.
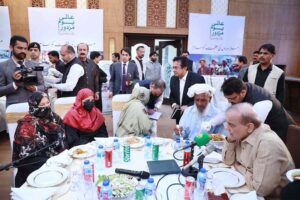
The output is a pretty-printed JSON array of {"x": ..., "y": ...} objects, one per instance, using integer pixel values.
[{"x": 197, "y": 117}]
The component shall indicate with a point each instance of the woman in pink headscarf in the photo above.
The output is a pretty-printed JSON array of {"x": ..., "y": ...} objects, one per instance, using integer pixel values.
[{"x": 84, "y": 121}]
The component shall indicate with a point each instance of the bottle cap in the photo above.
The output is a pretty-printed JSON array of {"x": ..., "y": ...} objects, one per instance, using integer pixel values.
[
  {"x": 150, "y": 180},
  {"x": 116, "y": 140},
  {"x": 105, "y": 183},
  {"x": 86, "y": 162},
  {"x": 203, "y": 170},
  {"x": 100, "y": 146}
]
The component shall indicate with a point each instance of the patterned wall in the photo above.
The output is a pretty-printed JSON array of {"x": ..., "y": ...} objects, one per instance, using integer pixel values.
[
  {"x": 66, "y": 4},
  {"x": 93, "y": 4},
  {"x": 183, "y": 14},
  {"x": 156, "y": 16},
  {"x": 130, "y": 13},
  {"x": 38, "y": 3},
  {"x": 1, "y": 3}
]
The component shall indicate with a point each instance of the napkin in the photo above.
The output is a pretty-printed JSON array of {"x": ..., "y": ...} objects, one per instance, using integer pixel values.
[
  {"x": 61, "y": 159},
  {"x": 248, "y": 196},
  {"x": 213, "y": 157},
  {"x": 27, "y": 193}
]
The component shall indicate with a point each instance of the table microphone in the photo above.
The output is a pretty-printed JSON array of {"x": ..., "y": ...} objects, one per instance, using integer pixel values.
[
  {"x": 141, "y": 174},
  {"x": 199, "y": 140}
]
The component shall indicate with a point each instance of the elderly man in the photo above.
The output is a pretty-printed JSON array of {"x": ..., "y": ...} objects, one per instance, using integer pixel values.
[
  {"x": 256, "y": 151},
  {"x": 196, "y": 118}
]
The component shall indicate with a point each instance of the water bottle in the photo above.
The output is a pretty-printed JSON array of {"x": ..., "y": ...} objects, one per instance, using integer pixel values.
[
  {"x": 150, "y": 189},
  {"x": 187, "y": 153},
  {"x": 106, "y": 191},
  {"x": 148, "y": 148},
  {"x": 100, "y": 158},
  {"x": 87, "y": 172},
  {"x": 201, "y": 181},
  {"x": 177, "y": 144},
  {"x": 116, "y": 151}
]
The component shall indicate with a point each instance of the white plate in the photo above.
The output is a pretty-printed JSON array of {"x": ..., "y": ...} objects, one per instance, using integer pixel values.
[
  {"x": 47, "y": 177},
  {"x": 230, "y": 178},
  {"x": 90, "y": 151},
  {"x": 135, "y": 145},
  {"x": 290, "y": 173}
]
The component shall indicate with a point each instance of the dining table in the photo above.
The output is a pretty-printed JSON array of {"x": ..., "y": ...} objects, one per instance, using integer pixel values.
[{"x": 73, "y": 187}]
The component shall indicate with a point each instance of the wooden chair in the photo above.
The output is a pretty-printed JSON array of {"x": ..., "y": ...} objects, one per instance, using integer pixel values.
[{"x": 292, "y": 143}]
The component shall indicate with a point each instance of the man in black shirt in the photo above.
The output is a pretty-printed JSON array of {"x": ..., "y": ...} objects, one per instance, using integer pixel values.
[
  {"x": 265, "y": 74},
  {"x": 236, "y": 91},
  {"x": 54, "y": 59}
]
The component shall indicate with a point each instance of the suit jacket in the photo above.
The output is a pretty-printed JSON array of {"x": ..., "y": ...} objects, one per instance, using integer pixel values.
[
  {"x": 190, "y": 65},
  {"x": 191, "y": 79},
  {"x": 116, "y": 74},
  {"x": 20, "y": 95}
]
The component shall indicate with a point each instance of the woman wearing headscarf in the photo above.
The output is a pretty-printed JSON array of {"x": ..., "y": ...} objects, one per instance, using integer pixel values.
[
  {"x": 38, "y": 129},
  {"x": 84, "y": 121},
  {"x": 134, "y": 119}
]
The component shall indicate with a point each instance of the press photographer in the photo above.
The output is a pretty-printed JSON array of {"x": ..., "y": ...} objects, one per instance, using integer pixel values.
[{"x": 19, "y": 77}]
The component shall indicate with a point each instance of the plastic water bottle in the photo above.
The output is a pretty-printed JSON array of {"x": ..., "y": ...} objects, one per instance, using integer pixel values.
[
  {"x": 117, "y": 151},
  {"x": 100, "y": 158},
  {"x": 106, "y": 191},
  {"x": 150, "y": 189},
  {"x": 177, "y": 145},
  {"x": 201, "y": 181},
  {"x": 187, "y": 154},
  {"x": 87, "y": 172},
  {"x": 148, "y": 148}
]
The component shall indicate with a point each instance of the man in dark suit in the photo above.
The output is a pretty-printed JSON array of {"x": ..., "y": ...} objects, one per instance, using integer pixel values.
[
  {"x": 13, "y": 84},
  {"x": 57, "y": 63},
  {"x": 124, "y": 75},
  {"x": 180, "y": 83}
]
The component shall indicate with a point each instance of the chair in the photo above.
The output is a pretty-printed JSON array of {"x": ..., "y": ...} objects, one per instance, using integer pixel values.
[
  {"x": 292, "y": 143},
  {"x": 118, "y": 103},
  {"x": 14, "y": 112},
  {"x": 62, "y": 105}
]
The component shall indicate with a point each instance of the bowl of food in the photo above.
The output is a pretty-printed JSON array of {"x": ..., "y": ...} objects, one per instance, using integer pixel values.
[
  {"x": 218, "y": 140},
  {"x": 293, "y": 175},
  {"x": 123, "y": 186}
]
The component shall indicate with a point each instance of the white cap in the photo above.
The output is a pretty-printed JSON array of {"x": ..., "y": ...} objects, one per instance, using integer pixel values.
[{"x": 200, "y": 88}]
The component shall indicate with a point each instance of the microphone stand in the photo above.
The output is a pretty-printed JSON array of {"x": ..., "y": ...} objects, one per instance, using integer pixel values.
[{"x": 13, "y": 164}]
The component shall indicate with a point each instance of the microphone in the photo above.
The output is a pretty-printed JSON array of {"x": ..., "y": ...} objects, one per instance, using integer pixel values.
[
  {"x": 141, "y": 174},
  {"x": 199, "y": 140},
  {"x": 201, "y": 155}
]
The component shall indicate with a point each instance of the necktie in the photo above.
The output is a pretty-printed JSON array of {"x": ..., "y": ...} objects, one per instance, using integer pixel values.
[
  {"x": 124, "y": 77},
  {"x": 141, "y": 63}
]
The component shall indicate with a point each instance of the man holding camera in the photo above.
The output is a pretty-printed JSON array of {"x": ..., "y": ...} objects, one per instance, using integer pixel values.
[{"x": 18, "y": 77}]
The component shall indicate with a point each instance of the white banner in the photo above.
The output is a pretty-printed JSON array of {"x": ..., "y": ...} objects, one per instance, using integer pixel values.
[
  {"x": 5, "y": 33},
  {"x": 216, "y": 34},
  {"x": 54, "y": 27}
]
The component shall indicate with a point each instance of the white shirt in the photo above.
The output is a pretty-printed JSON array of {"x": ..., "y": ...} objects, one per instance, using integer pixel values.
[
  {"x": 75, "y": 73},
  {"x": 181, "y": 86}
]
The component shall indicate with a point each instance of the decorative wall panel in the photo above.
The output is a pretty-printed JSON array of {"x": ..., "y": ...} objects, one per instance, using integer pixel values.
[
  {"x": 183, "y": 14},
  {"x": 82, "y": 4},
  {"x": 49, "y": 4},
  {"x": 1, "y": 3},
  {"x": 66, "y": 4},
  {"x": 93, "y": 4},
  {"x": 37, "y": 3},
  {"x": 219, "y": 7},
  {"x": 130, "y": 13},
  {"x": 171, "y": 13},
  {"x": 156, "y": 13},
  {"x": 141, "y": 13}
]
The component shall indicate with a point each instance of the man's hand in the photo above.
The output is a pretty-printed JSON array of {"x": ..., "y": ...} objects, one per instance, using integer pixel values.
[
  {"x": 30, "y": 88},
  {"x": 128, "y": 83},
  {"x": 151, "y": 111},
  {"x": 17, "y": 76},
  {"x": 174, "y": 105},
  {"x": 178, "y": 130},
  {"x": 183, "y": 108},
  {"x": 110, "y": 94},
  {"x": 97, "y": 96}
]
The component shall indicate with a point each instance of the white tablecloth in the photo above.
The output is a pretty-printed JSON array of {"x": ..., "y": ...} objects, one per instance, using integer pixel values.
[{"x": 138, "y": 162}]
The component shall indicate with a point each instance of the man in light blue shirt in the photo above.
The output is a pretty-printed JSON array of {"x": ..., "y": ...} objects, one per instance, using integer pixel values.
[{"x": 202, "y": 116}]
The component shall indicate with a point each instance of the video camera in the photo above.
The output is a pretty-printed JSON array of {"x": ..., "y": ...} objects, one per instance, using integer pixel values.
[{"x": 27, "y": 77}]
